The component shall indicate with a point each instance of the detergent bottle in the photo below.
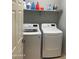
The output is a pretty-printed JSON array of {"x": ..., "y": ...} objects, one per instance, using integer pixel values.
[
  {"x": 28, "y": 5},
  {"x": 33, "y": 6},
  {"x": 37, "y": 6}
]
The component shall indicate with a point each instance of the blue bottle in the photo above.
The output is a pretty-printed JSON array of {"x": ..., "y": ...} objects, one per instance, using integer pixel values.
[{"x": 33, "y": 6}]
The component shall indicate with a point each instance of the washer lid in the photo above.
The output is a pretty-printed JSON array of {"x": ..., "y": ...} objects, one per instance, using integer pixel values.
[
  {"x": 32, "y": 33},
  {"x": 31, "y": 29},
  {"x": 51, "y": 31}
]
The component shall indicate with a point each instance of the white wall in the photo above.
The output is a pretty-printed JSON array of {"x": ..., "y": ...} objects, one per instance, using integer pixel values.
[{"x": 62, "y": 23}]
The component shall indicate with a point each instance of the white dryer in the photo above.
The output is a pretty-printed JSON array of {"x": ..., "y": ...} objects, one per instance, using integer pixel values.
[
  {"x": 32, "y": 41},
  {"x": 52, "y": 40}
]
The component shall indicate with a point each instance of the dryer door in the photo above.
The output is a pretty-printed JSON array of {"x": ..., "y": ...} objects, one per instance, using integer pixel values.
[{"x": 52, "y": 45}]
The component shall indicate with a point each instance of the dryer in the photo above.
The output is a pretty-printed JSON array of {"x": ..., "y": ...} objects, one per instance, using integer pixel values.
[{"x": 52, "y": 40}]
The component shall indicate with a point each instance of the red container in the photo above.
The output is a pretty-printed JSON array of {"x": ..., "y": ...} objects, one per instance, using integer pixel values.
[
  {"x": 37, "y": 6},
  {"x": 42, "y": 9}
]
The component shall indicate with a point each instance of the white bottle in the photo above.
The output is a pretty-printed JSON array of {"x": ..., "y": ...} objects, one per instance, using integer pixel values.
[
  {"x": 50, "y": 7},
  {"x": 28, "y": 6}
]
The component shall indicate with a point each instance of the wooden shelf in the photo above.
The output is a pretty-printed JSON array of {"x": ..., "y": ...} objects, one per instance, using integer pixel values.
[{"x": 60, "y": 10}]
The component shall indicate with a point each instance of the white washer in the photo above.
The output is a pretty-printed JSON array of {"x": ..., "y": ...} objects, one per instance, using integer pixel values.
[
  {"x": 52, "y": 40},
  {"x": 32, "y": 41}
]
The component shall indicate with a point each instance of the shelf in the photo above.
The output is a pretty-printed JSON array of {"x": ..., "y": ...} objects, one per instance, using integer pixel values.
[
  {"x": 60, "y": 10},
  {"x": 39, "y": 12}
]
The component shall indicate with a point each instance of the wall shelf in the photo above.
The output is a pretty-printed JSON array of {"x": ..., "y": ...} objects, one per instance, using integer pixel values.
[{"x": 60, "y": 10}]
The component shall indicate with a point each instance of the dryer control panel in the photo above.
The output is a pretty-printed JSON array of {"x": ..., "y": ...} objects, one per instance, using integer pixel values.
[{"x": 48, "y": 25}]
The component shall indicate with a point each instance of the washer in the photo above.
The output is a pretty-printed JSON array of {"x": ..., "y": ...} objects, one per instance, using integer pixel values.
[
  {"x": 32, "y": 41},
  {"x": 52, "y": 40}
]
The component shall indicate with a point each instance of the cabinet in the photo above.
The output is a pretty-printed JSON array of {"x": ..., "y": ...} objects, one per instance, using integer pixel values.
[
  {"x": 17, "y": 24},
  {"x": 14, "y": 41}
]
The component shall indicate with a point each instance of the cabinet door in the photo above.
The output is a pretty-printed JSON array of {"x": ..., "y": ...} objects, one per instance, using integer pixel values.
[
  {"x": 14, "y": 41},
  {"x": 20, "y": 18},
  {"x": 17, "y": 22},
  {"x": 20, "y": 23}
]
